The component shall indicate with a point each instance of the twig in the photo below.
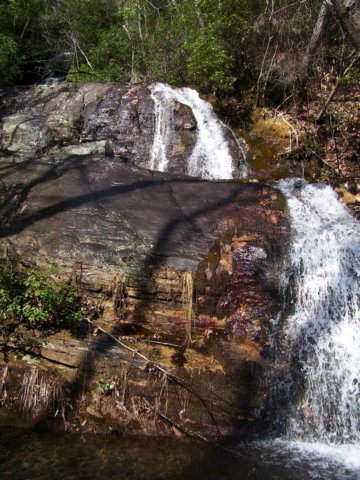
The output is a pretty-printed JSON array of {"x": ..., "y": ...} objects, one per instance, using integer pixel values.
[
  {"x": 179, "y": 427},
  {"x": 24, "y": 29},
  {"x": 3, "y": 382},
  {"x": 291, "y": 128},
  {"x": 323, "y": 160},
  {"x": 170, "y": 377},
  {"x": 164, "y": 343},
  {"x": 154, "y": 7},
  {"x": 282, "y": 103},
  {"x": 84, "y": 55},
  {"x": 288, "y": 6},
  {"x": 336, "y": 86},
  {"x": 261, "y": 74},
  {"x": 268, "y": 75}
]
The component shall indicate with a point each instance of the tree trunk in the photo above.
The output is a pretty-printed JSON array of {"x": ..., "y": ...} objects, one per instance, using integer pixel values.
[
  {"x": 348, "y": 13},
  {"x": 316, "y": 37},
  {"x": 319, "y": 29}
]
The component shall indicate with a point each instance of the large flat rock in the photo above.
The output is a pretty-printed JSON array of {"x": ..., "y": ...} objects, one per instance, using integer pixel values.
[{"x": 100, "y": 218}]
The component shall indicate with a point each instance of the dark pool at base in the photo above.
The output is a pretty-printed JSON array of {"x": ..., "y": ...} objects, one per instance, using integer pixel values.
[{"x": 26, "y": 455}]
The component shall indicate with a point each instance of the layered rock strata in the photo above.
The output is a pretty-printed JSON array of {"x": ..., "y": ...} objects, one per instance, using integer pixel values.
[{"x": 184, "y": 275}]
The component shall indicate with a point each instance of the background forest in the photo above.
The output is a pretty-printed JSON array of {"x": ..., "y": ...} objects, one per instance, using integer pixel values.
[
  {"x": 227, "y": 46},
  {"x": 298, "y": 57}
]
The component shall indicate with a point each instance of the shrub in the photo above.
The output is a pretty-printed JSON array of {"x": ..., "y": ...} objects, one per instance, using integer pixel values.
[
  {"x": 36, "y": 298},
  {"x": 8, "y": 59}
]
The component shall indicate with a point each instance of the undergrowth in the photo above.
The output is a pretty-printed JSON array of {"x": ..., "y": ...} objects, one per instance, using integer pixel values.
[{"x": 36, "y": 298}]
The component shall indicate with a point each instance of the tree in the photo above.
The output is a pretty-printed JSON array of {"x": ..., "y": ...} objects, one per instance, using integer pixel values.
[{"x": 317, "y": 35}]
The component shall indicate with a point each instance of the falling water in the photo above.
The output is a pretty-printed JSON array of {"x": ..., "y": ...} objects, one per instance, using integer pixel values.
[
  {"x": 324, "y": 331},
  {"x": 164, "y": 121},
  {"x": 211, "y": 158}
]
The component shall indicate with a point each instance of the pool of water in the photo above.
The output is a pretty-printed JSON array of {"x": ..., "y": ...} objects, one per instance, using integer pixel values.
[{"x": 26, "y": 455}]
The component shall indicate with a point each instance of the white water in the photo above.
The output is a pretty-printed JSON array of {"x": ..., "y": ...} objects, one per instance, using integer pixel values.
[
  {"x": 211, "y": 158},
  {"x": 324, "y": 330},
  {"x": 164, "y": 120}
]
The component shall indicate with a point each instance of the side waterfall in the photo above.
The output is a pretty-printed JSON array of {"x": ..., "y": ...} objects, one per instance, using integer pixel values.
[
  {"x": 211, "y": 158},
  {"x": 323, "y": 332}
]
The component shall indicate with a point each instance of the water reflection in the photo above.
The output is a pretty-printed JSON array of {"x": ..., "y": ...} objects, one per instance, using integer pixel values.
[{"x": 28, "y": 455}]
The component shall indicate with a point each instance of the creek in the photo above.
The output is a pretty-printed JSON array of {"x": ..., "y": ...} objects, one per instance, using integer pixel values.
[{"x": 28, "y": 455}]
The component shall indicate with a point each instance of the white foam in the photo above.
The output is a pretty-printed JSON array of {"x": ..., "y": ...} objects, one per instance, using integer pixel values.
[
  {"x": 324, "y": 331},
  {"x": 346, "y": 454},
  {"x": 211, "y": 158}
]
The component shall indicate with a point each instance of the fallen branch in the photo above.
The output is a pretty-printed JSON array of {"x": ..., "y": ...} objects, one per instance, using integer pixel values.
[
  {"x": 336, "y": 86},
  {"x": 179, "y": 427},
  {"x": 169, "y": 376},
  {"x": 292, "y": 128},
  {"x": 323, "y": 160}
]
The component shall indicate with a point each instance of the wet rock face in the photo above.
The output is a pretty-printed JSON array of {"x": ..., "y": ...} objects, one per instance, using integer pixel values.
[
  {"x": 148, "y": 248},
  {"x": 46, "y": 118},
  {"x": 183, "y": 138},
  {"x": 110, "y": 218},
  {"x": 183, "y": 271}
]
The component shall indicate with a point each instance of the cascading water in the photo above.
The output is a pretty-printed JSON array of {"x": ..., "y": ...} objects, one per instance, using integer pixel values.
[
  {"x": 164, "y": 120},
  {"x": 323, "y": 333},
  {"x": 210, "y": 158}
]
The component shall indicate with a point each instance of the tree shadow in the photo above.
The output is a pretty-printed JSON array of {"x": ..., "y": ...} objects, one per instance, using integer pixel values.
[
  {"x": 12, "y": 106},
  {"x": 15, "y": 223}
]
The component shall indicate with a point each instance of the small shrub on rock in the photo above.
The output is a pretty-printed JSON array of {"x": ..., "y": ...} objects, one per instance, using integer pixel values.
[{"x": 37, "y": 298}]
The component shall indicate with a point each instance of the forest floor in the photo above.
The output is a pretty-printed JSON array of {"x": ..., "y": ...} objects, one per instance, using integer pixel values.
[
  {"x": 289, "y": 140},
  {"x": 291, "y": 137}
]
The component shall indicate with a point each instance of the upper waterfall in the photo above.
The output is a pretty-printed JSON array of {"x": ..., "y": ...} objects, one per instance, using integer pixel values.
[
  {"x": 211, "y": 158},
  {"x": 324, "y": 329}
]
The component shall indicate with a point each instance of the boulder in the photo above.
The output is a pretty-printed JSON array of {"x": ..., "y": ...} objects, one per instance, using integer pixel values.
[
  {"x": 186, "y": 270},
  {"x": 45, "y": 119},
  {"x": 182, "y": 274}
]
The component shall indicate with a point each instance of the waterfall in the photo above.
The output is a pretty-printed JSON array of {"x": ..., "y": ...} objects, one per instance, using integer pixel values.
[
  {"x": 323, "y": 332},
  {"x": 210, "y": 158},
  {"x": 164, "y": 120}
]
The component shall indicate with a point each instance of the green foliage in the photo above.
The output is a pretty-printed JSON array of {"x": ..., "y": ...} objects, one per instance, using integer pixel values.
[
  {"x": 9, "y": 67},
  {"x": 176, "y": 42},
  {"x": 105, "y": 387},
  {"x": 209, "y": 63},
  {"x": 21, "y": 40},
  {"x": 222, "y": 45},
  {"x": 83, "y": 74},
  {"x": 112, "y": 55},
  {"x": 351, "y": 79},
  {"x": 33, "y": 297}
]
